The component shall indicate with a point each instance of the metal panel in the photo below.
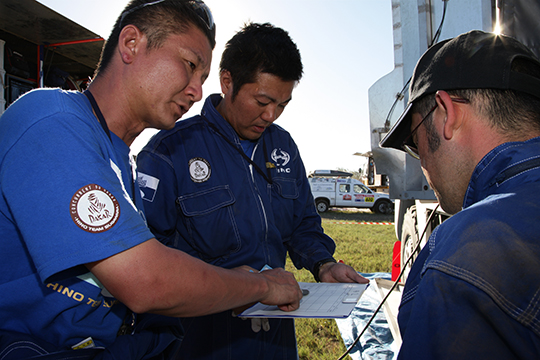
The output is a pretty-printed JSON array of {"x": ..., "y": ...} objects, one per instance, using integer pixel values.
[
  {"x": 520, "y": 19},
  {"x": 414, "y": 22}
]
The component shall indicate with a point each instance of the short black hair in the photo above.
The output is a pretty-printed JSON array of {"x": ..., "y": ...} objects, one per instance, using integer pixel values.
[
  {"x": 157, "y": 20},
  {"x": 260, "y": 48}
]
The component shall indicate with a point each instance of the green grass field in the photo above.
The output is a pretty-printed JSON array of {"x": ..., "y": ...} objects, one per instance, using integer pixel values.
[{"x": 367, "y": 248}]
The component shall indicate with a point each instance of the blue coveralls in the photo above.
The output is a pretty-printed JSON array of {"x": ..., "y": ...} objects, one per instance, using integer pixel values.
[{"x": 204, "y": 198}]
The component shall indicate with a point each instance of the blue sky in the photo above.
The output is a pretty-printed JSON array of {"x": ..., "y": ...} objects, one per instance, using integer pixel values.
[{"x": 346, "y": 46}]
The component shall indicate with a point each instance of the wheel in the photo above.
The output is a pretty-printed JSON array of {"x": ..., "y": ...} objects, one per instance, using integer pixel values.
[
  {"x": 322, "y": 205},
  {"x": 382, "y": 206},
  {"x": 409, "y": 241}
]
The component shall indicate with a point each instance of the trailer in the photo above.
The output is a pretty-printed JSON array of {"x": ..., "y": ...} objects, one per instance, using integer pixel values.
[{"x": 41, "y": 48}]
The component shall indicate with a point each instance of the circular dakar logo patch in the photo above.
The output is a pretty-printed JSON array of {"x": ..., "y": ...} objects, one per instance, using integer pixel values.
[
  {"x": 94, "y": 209},
  {"x": 199, "y": 169}
]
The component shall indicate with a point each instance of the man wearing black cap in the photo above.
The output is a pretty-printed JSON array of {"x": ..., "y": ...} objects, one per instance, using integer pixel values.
[{"x": 473, "y": 121}]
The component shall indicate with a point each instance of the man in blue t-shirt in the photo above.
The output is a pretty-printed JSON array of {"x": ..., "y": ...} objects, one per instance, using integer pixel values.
[{"x": 78, "y": 265}]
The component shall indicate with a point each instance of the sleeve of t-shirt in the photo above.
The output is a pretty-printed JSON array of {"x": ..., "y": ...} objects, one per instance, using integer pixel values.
[{"x": 66, "y": 196}]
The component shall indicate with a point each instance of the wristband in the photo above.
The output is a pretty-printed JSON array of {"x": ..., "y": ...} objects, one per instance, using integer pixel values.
[{"x": 317, "y": 268}]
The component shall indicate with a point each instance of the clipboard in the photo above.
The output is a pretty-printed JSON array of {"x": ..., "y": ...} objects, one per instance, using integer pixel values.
[{"x": 324, "y": 301}]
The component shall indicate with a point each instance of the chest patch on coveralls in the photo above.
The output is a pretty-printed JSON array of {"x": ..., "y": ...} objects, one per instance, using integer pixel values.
[{"x": 199, "y": 170}]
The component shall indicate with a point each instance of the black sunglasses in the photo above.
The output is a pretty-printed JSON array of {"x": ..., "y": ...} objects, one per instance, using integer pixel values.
[
  {"x": 409, "y": 145},
  {"x": 200, "y": 8}
]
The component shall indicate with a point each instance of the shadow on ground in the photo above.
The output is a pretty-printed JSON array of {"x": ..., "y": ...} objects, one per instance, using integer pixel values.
[{"x": 358, "y": 215}]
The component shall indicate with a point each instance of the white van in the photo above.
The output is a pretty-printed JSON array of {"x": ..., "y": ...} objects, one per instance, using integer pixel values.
[{"x": 332, "y": 189}]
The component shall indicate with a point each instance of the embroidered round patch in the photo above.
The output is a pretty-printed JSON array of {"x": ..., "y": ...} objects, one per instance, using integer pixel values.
[
  {"x": 199, "y": 169},
  {"x": 94, "y": 209}
]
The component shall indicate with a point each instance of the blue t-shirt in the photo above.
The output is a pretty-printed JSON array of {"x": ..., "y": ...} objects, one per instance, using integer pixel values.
[
  {"x": 66, "y": 200},
  {"x": 248, "y": 146}
]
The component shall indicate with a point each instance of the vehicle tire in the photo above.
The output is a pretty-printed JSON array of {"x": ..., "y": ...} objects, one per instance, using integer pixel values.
[
  {"x": 322, "y": 205},
  {"x": 409, "y": 241},
  {"x": 382, "y": 206}
]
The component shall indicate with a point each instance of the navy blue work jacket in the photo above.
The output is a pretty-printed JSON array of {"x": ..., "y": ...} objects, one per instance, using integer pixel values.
[
  {"x": 203, "y": 197},
  {"x": 474, "y": 291}
]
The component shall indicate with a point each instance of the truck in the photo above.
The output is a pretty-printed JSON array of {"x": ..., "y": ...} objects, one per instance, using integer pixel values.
[
  {"x": 41, "y": 48},
  {"x": 418, "y": 24},
  {"x": 333, "y": 188}
]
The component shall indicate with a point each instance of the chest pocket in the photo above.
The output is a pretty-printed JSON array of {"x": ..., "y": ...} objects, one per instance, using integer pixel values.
[
  {"x": 208, "y": 223},
  {"x": 286, "y": 188}
]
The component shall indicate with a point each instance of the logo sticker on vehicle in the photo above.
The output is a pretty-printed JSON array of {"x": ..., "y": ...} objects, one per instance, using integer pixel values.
[
  {"x": 199, "y": 170},
  {"x": 364, "y": 198},
  {"x": 94, "y": 209}
]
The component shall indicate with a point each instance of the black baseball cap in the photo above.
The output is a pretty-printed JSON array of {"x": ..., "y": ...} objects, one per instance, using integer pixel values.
[{"x": 474, "y": 60}]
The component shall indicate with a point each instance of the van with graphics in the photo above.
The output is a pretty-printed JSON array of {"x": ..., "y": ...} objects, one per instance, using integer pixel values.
[{"x": 332, "y": 188}]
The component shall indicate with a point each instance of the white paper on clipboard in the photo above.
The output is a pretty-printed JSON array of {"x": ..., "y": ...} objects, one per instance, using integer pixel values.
[{"x": 325, "y": 301}]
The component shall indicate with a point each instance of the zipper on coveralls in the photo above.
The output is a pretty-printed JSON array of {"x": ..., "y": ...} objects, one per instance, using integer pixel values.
[{"x": 260, "y": 200}]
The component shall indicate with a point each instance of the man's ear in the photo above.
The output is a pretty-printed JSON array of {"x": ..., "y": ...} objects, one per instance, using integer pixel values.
[
  {"x": 453, "y": 119},
  {"x": 130, "y": 41},
  {"x": 226, "y": 82}
]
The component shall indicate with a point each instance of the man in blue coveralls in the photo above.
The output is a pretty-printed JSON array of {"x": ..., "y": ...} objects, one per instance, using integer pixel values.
[
  {"x": 229, "y": 187},
  {"x": 473, "y": 120},
  {"x": 78, "y": 264}
]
